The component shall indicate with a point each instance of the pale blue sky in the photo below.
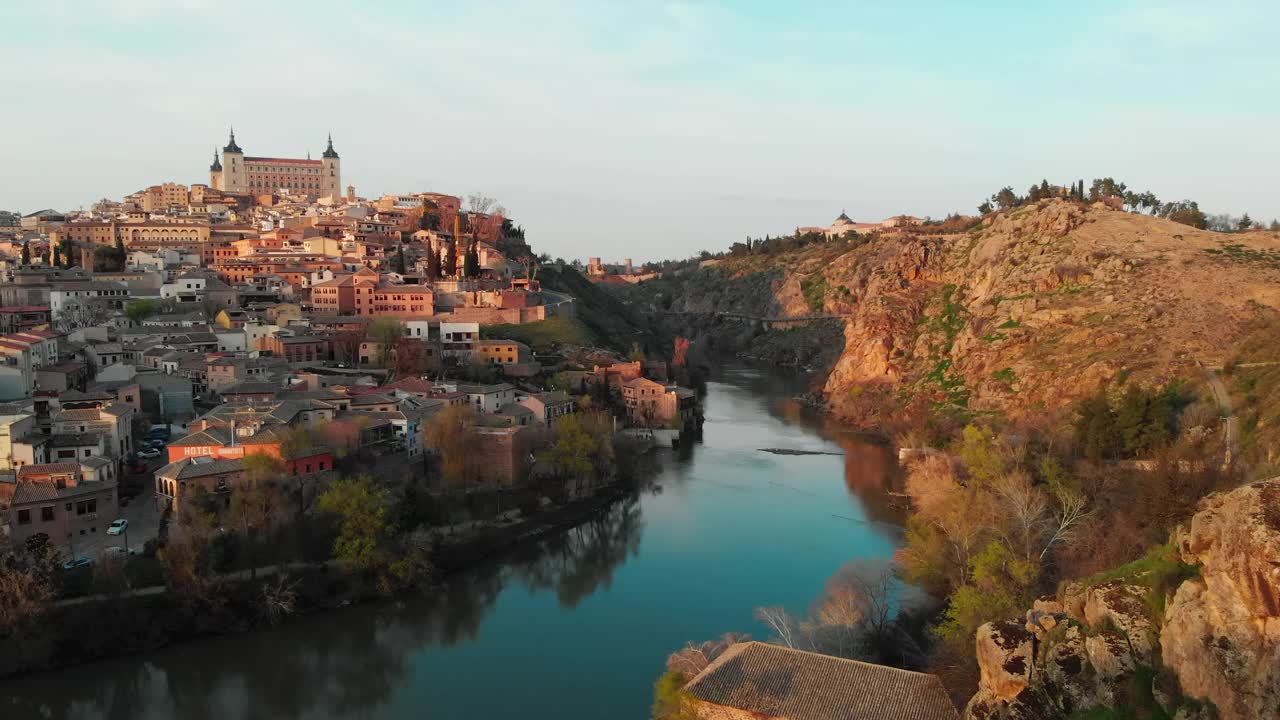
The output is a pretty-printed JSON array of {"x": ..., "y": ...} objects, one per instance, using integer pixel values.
[{"x": 651, "y": 129}]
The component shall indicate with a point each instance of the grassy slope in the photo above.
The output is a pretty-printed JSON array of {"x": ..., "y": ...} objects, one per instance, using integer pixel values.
[{"x": 603, "y": 318}]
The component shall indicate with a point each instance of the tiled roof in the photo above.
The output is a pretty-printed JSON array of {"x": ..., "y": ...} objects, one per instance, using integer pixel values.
[
  {"x": 188, "y": 468},
  {"x": 48, "y": 469},
  {"x": 776, "y": 681},
  {"x": 29, "y": 492},
  {"x": 88, "y": 415},
  {"x": 555, "y": 397},
  {"x": 216, "y": 435},
  {"x": 74, "y": 439}
]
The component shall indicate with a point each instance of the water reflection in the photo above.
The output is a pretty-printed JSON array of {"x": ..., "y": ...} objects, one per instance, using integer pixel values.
[
  {"x": 575, "y": 625},
  {"x": 577, "y": 563}
]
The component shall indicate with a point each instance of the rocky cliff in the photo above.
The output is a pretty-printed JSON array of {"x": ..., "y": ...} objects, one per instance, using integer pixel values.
[
  {"x": 1028, "y": 311},
  {"x": 1213, "y": 651}
]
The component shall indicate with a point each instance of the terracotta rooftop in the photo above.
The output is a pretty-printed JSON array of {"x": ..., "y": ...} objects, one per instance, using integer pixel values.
[{"x": 779, "y": 682}]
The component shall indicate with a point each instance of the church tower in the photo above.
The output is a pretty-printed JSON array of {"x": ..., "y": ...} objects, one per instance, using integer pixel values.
[
  {"x": 235, "y": 177},
  {"x": 331, "y": 184}
]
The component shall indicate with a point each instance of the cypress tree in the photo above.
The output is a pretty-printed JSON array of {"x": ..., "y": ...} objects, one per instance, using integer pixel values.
[
  {"x": 471, "y": 263},
  {"x": 433, "y": 264},
  {"x": 26, "y": 253},
  {"x": 121, "y": 255},
  {"x": 451, "y": 260},
  {"x": 400, "y": 261},
  {"x": 56, "y": 260}
]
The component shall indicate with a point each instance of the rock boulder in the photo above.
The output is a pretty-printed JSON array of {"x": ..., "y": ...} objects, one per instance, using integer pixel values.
[{"x": 1221, "y": 632}]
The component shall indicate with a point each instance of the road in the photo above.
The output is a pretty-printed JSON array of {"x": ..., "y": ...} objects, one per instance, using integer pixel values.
[
  {"x": 1231, "y": 425},
  {"x": 143, "y": 516}
]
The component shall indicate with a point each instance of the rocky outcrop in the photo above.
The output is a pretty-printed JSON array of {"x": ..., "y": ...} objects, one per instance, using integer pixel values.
[
  {"x": 1221, "y": 632},
  {"x": 1095, "y": 644},
  {"x": 1005, "y": 655}
]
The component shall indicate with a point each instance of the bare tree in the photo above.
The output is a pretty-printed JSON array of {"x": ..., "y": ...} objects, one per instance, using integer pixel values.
[
  {"x": 1072, "y": 509},
  {"x": 26, "y": 589},
  {"x": 693, "y": 659},
  {"x": 280, "y": 599},
  {"x": 781, "y": 623},
  {"x": 868, "y": 587},
  {"x": 1026, "y": 509},
  {"x": 80, "y": 313},
  {"x": 480, "y": 203}
]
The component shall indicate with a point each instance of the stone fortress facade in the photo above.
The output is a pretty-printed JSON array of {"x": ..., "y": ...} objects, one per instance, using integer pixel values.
[{"x": 236, "y": 172}]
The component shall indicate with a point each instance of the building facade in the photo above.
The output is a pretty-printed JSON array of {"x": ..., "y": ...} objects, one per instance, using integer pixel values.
[{"x": 240, "y": 173}]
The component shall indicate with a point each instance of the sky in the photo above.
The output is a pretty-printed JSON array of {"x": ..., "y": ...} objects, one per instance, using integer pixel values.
[{"x": 651, "y": 129}]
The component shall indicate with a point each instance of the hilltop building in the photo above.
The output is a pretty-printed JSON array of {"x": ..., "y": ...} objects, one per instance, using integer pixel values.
[{"x": 237, "y": 172}]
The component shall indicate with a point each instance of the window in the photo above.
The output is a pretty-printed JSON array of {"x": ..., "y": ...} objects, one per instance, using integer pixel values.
[
  {"x": 24, "y": 517},
  {"x": 46, "y": 513}
]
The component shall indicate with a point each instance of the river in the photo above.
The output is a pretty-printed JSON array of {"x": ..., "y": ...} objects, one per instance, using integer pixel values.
[{"x": 577, "y": 626}]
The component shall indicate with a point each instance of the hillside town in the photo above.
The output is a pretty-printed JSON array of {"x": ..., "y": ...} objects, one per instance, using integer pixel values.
[{"x": 155, "y": 348}]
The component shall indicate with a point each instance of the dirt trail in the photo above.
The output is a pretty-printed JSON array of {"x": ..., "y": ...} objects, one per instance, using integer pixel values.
[{"x": 1231, "y": 431}]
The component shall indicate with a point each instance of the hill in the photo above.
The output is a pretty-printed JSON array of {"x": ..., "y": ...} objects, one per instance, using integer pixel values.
[{"x": 1029, "y": 310}]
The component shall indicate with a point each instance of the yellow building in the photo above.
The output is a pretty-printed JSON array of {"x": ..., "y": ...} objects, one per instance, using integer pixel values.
[
  {"x": 163, "y": 233},
  {"x": 159, "y": 198},
  {"x": 499, "y": 352},
  {"x": 236, "y": 172}
]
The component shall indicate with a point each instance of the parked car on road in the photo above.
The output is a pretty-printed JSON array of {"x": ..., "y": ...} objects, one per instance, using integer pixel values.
[
  {"x": 118, "y": 551},
  {"x": 74, "y": 563},
  {"x": 118, "y": 527},
  {"x": 147, "y": 453}
]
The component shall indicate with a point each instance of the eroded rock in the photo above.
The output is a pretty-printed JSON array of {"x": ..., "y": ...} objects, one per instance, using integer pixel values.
[
  {"x": 1221, "y": 633},
  {"x": 1006, "y": 654},
  {"x": 1122, "y": 606}
]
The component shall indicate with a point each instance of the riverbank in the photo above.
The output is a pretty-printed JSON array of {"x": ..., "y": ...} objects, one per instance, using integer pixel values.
[
  {"x": 724, "y": 529},
  {"x": 144, "y": 619}
]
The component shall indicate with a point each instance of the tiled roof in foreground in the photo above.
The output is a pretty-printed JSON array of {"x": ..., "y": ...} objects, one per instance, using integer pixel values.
[{"x": 779, "y": 682}]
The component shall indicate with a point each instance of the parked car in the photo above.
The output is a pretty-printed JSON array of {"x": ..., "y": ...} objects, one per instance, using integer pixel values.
[
  {"x": 117, "y": 551},
  {"x": 160, "y": 431},
  {"x": 147, "y": 453},
  {"x": 74, "y": 563},
  {"x": 118, "y": 527}
]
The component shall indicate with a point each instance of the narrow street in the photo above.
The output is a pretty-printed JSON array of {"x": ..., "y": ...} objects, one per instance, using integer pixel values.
[{"x": 143, "y": 516}]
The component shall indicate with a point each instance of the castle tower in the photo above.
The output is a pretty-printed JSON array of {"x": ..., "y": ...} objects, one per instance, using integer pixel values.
[
  {"x": 235, "y": 177},
  {"x": 215, "y": 171},
  {"x": 331, "y": 184},
  {"x": 351, "y": 193}
]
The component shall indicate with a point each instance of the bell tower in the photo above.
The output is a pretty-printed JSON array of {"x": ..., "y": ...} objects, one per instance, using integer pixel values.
[{"x": 331, "y": 183}]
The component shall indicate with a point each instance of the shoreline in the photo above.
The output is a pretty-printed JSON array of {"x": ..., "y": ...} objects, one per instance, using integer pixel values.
[{"x": 152, "y": 603}]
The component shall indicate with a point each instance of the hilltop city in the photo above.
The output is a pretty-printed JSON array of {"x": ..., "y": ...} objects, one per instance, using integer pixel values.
[{"x": 156, "y": 347}]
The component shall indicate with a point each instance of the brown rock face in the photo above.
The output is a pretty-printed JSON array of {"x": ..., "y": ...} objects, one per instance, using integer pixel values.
[
  {"x": 1006, "y": 653},
  {"x": 1121, "y": 606},
  {"x": 1222, "y": 632}
]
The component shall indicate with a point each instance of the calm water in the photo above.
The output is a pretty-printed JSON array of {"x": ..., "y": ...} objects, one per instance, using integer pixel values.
[{"x": 577, "y": 627}]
